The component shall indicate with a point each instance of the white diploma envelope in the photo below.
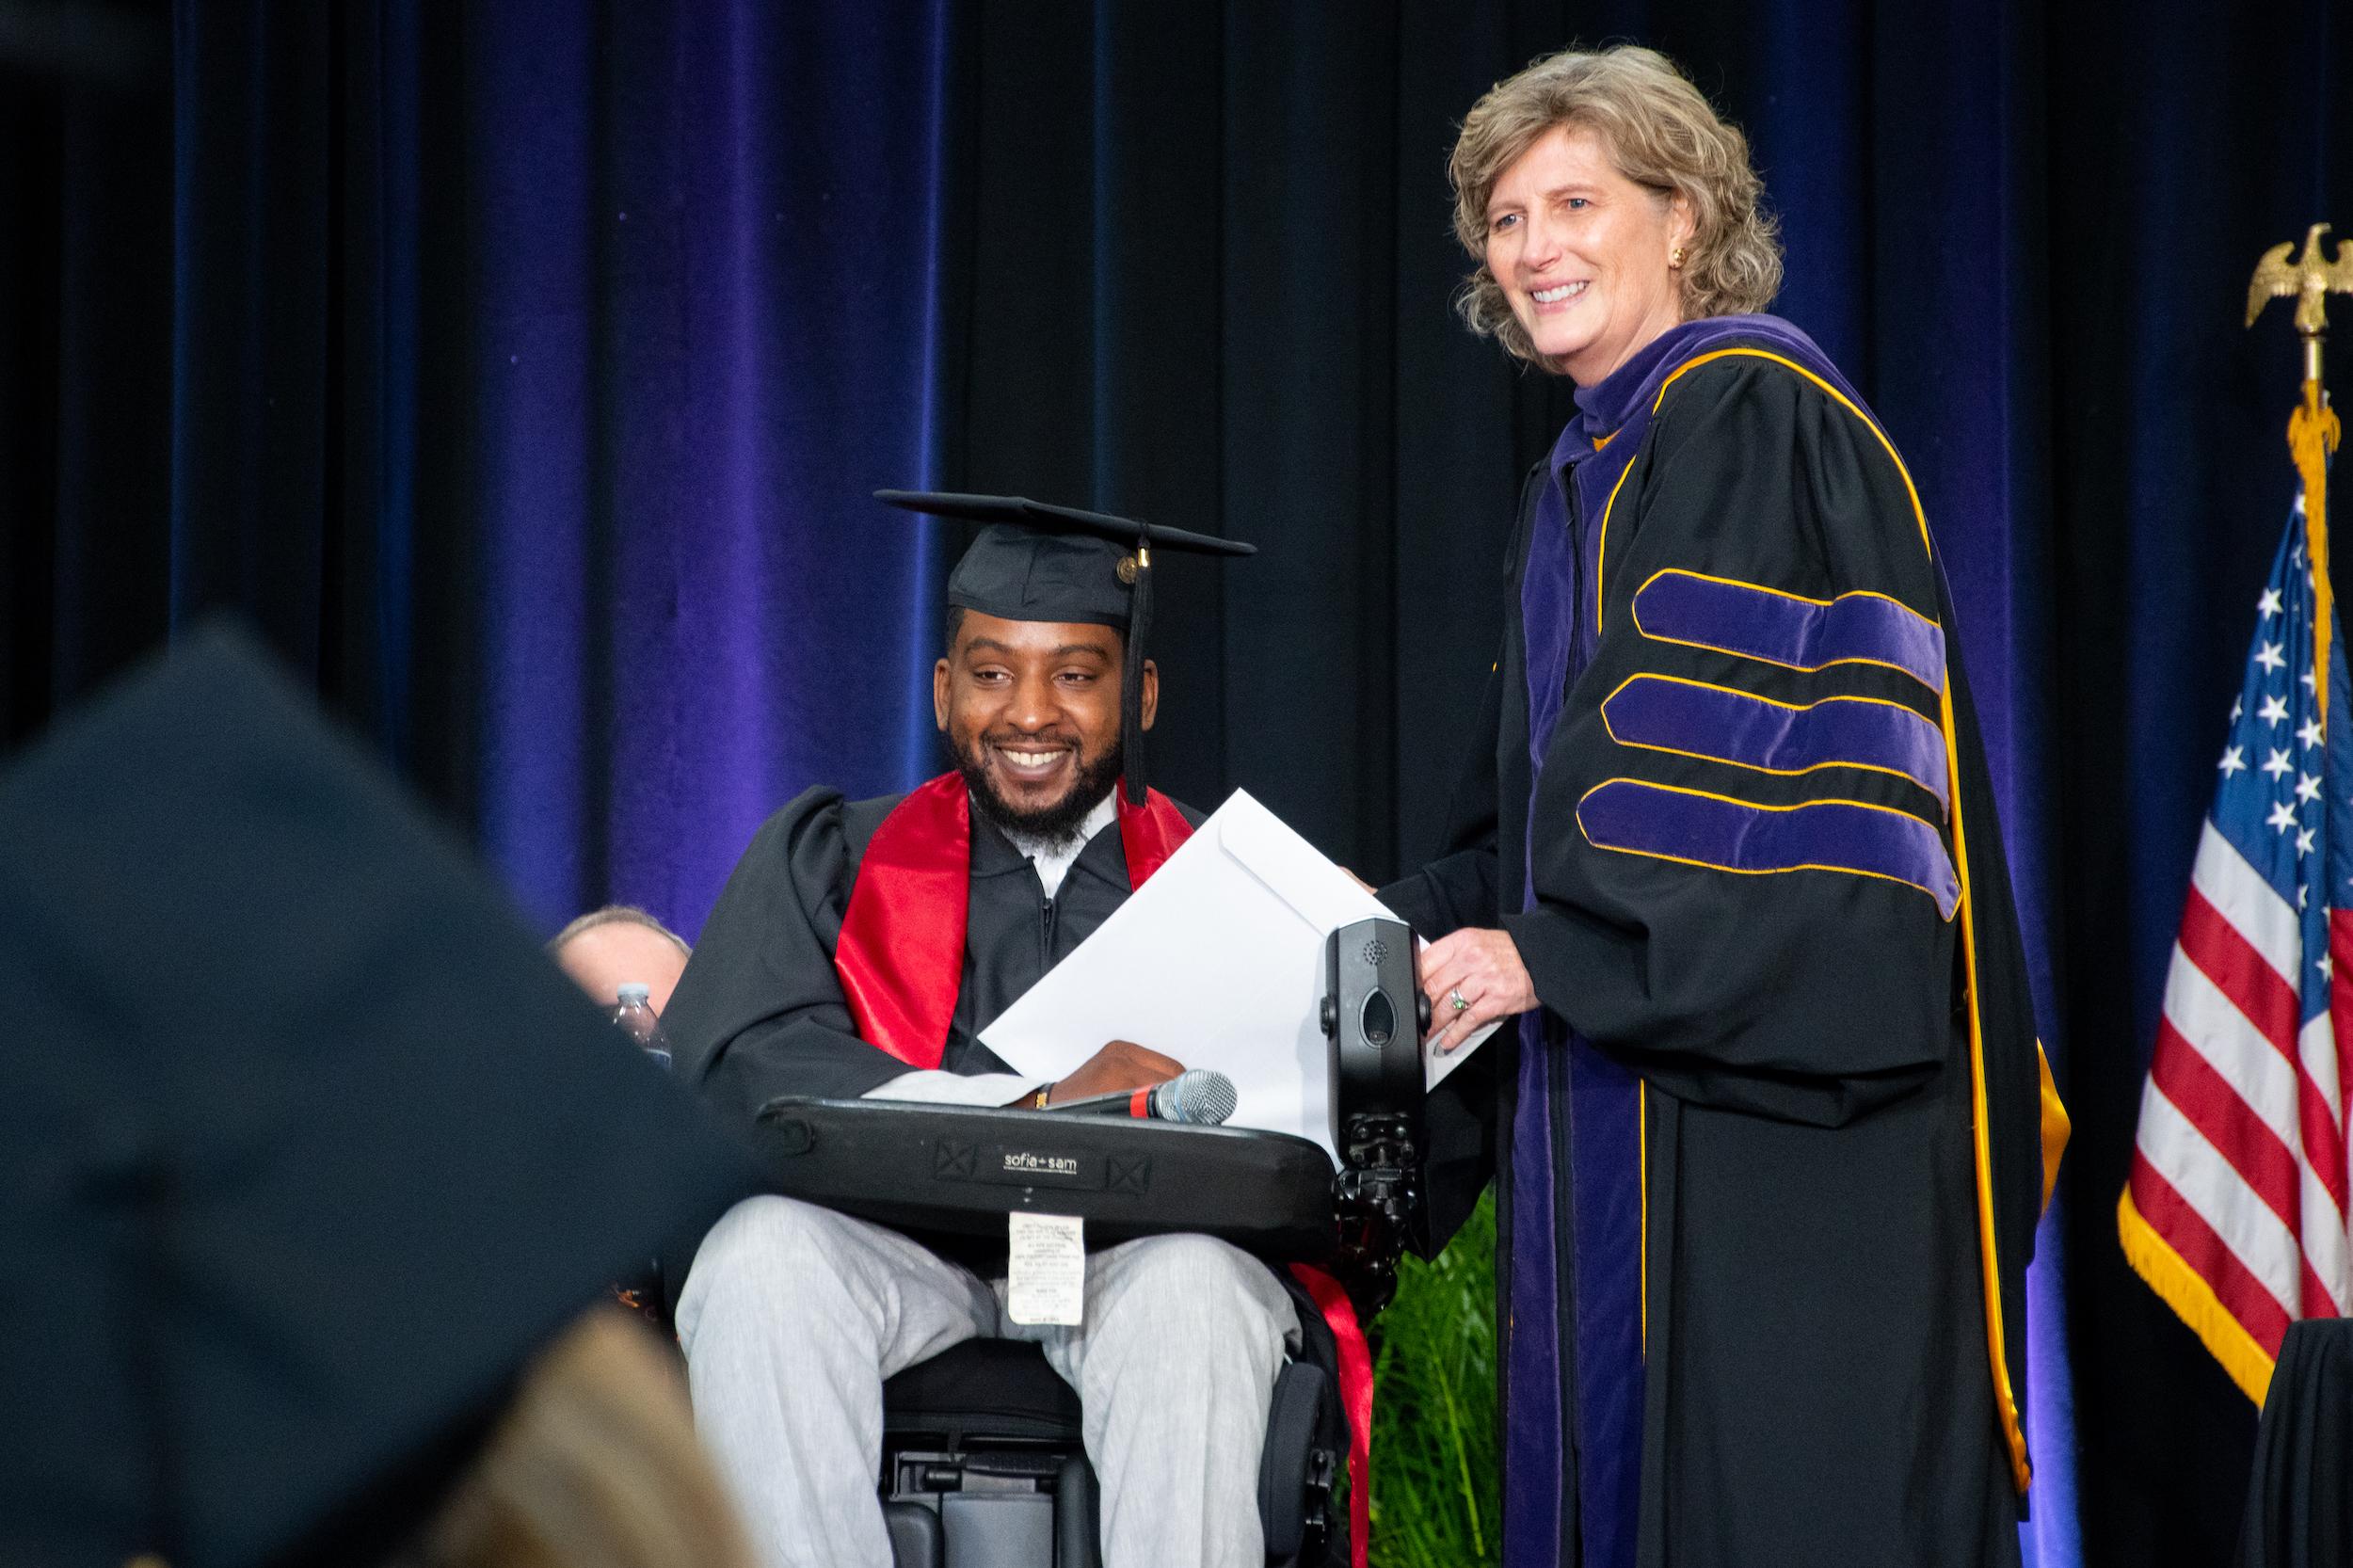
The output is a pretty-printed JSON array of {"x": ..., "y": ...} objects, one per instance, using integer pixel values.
[{"x": 1218, "y": 961}]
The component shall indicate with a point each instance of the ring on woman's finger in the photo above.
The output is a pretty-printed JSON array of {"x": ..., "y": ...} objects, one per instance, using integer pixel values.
[{"x": 1456, "y": 999}]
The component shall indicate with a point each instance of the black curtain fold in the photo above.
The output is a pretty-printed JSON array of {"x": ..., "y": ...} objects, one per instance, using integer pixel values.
[
  {"x": 85, "y": 396},
  {"x": 217, "y": 315}
]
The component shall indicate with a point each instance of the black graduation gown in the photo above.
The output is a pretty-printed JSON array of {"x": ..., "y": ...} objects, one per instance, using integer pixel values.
[
  {"x": 759, "y": 1010},
  {"x": 1817, "y": 1385}
]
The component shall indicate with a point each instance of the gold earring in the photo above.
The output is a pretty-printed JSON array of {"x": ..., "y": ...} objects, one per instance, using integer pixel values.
[{"x": 1676, "y": 260}]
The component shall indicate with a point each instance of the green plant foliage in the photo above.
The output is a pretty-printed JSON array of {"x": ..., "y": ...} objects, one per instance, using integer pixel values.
[{"x": 1435, "y": 1498}]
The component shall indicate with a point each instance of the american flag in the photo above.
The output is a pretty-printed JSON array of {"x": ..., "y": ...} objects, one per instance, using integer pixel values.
[{"x": 2235, "y": 1210}]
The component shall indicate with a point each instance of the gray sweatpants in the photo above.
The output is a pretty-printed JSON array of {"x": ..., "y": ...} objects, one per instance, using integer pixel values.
[{"x": 793, "y": 1316}]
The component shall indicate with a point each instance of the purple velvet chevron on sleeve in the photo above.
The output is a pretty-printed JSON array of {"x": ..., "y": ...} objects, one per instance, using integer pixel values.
[
  {"x": 1694, "y": 719},
  {"x": 1785, "y": 629},
  {"x": 1699, "y": 829}
]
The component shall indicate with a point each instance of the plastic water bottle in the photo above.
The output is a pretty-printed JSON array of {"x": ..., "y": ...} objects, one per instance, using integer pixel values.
[{"x": 635, "y": 1017}]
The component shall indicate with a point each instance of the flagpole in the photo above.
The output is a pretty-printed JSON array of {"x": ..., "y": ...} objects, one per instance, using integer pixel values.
[{"x": 2313, "y": 430}]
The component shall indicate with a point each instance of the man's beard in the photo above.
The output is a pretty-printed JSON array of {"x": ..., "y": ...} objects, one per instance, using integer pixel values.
[{"x": 1053, "y": 826}]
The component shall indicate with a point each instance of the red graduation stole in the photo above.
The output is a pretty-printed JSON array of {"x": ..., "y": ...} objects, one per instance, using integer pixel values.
[{"x": 901, "y": 956}]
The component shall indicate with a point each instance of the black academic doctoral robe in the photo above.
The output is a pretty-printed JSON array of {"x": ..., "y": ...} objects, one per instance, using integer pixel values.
[
  {"x": 1817, "y": 1383},
  {"x": 759, "y": 1010}
]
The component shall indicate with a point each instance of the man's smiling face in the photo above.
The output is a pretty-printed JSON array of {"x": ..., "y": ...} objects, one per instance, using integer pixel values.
[{"x": 1031, "y": 712}]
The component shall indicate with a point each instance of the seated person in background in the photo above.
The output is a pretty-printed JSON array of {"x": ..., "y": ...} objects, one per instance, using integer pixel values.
[
  {"x": 859, "y": 949},
  {"x": 609, "y": 948}
]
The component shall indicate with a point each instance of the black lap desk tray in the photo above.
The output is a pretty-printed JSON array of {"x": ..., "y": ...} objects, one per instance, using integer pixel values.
[{"x": 959, "y": 1170}]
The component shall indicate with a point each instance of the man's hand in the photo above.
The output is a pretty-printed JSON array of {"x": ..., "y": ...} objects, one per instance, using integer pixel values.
[
  {"x": 1482, "y": 969},
  {"x": 1120, "y": 1066}
]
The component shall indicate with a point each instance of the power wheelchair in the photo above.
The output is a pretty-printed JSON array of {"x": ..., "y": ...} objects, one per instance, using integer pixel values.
[{"x": 983, "y": 1465}]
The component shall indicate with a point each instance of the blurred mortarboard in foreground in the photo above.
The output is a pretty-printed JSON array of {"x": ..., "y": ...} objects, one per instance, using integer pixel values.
[
  {"x": 1037, "y": 562},
  {"x": 305, "y": 1148}
]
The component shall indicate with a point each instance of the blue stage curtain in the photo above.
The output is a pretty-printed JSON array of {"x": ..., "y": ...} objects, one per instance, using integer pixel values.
[
  {"x": 704, "y": 245},
  {"x": 528, "y": 367},
  {"x": 521, "y": 369}
]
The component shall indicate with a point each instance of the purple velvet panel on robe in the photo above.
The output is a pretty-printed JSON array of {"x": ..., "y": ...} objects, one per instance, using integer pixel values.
[
  {"x": 1733, "y": 835},
  {"x": 1782, "y": 629},
  {"x": 1697, "y": 720}
]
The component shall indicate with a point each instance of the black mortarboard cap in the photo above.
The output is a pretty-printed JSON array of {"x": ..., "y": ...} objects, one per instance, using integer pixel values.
[
  {"x": 1038, "y": 562},
  {"x": 305, "y": 1148}
]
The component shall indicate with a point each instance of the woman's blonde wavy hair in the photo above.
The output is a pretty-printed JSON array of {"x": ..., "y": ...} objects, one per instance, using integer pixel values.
[{"x": 1662, "y": 134}]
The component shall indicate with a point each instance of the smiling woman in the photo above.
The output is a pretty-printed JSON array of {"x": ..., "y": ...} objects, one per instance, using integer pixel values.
[
  {"x": 1614, "y": 126},
  {"x": 1771, "y": 1143},
  {"x": 1585, "y": 257}
]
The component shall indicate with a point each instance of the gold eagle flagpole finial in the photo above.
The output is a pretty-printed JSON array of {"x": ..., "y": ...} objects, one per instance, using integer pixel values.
[{"x": 2312, "y": 429}]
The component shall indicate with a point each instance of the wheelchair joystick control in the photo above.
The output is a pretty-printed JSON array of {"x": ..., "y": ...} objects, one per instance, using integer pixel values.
[{"x": 1376, "y": 1098}]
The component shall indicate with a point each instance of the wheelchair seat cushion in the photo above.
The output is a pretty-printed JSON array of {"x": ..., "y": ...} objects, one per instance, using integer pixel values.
[{"x": 1002, "y": 1387}]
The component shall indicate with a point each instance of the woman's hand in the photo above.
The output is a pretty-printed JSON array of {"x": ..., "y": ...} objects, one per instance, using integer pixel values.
[{"x": 1481, "y": 969}]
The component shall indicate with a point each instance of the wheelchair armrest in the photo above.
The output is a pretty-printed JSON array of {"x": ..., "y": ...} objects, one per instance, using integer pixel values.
[{"x": 959, "y": 1170}]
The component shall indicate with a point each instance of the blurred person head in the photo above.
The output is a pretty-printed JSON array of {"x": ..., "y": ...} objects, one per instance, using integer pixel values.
[
  {"x": 593, "y": 1465},
  {"x": 609, "y": 948},
  {"x": 1605, "y": 200},
  {"x": 286, "y": 1253}
]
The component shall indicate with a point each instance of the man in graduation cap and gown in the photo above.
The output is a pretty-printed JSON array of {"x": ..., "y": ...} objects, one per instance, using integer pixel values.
[{"x": 859, "y": 949}]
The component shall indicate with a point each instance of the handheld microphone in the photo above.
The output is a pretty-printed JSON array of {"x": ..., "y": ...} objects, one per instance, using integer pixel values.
[{"x": 1199, "y": 1095}]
